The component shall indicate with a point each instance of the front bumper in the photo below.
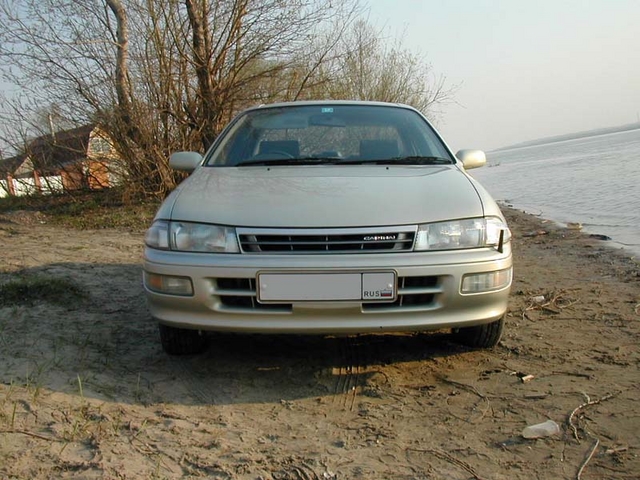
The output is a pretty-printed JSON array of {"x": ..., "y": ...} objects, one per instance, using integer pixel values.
[{"x": 429, "y": 292}]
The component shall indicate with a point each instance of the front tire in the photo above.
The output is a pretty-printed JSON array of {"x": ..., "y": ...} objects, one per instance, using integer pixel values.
[
  {"x": 481, "y": 336},
  {"x": 181, "y": 341}
]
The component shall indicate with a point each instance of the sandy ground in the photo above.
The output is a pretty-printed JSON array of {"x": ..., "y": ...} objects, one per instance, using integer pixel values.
[{"x": 86, "y": 391}]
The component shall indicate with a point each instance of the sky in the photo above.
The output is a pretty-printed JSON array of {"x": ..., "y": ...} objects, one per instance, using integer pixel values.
[{"x": 524, "y": 69}]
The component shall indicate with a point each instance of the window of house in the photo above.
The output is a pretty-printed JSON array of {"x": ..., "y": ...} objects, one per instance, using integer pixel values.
[{"x": 100, "y": 145}]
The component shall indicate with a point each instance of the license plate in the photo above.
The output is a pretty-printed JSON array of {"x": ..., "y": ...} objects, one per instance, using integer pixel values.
[{"x": 320, "y": 287}]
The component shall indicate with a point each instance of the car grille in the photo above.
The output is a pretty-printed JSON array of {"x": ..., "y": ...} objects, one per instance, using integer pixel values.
[
  {"x": 334, "y": 241},
  {"x": 238, "y": 295}
]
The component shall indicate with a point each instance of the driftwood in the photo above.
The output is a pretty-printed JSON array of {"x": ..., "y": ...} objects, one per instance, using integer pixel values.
[
  {"x": 552, "y": 302},
  {"x": 571, "y": 423}
]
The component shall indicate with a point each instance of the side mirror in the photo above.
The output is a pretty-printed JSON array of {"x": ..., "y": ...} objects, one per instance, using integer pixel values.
[
  {"x": 471, "y": 158},
  {"x": 187, "y": 161}
]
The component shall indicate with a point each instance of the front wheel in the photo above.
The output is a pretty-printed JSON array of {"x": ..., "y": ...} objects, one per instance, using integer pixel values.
[
  {"x": 181, "y": 341},
  {"x": 481, "y": 336}
]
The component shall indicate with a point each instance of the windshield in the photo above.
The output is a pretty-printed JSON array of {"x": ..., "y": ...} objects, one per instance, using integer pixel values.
[{"x": 334, "y": 134}]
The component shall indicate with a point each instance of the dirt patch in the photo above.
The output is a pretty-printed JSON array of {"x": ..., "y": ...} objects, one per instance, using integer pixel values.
[{"x": 86, "y": 391}]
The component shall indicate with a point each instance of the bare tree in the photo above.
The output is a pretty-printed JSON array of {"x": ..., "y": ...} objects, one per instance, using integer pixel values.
[
  {"x": 166, "y": 75},
  {"x": 373, "y": 67},
  {"x": 162, "y": 76}
]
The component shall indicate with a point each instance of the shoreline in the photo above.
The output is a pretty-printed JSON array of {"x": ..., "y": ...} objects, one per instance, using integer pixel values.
[
  {"x": 587, "y": 180},
  {"x": 567, "y": 241},
  {"x": 627, "y": 250}
]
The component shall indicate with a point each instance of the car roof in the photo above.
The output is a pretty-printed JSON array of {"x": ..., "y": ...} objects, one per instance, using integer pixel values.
[{"x": 320, "y": 103}]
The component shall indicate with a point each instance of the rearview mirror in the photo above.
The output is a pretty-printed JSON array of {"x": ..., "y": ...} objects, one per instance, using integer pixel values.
[
  {"x": 186, "y": 161},
  {"x": 471, "y": 158}
]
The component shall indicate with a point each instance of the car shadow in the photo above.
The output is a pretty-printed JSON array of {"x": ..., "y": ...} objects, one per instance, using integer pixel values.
[{"x": 103, "y": 343}]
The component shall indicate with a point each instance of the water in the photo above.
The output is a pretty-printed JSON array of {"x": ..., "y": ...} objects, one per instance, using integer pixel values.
[{"x": 594, "y": 181}]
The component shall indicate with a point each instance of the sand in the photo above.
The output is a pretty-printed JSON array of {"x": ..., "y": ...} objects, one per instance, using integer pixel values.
[{"x": 87, "y": 392}]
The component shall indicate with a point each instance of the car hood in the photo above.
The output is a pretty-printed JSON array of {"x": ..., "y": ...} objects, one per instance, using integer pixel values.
[{"x": 324, "y": 196}]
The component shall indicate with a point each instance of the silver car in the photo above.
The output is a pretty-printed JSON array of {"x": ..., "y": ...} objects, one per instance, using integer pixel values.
[{"x": 328, "y": 218}]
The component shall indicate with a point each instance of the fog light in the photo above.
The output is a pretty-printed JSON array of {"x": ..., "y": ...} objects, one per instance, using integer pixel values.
[
  {"x": 168, "y": 284},
  {"x": 487, "y": 281}
]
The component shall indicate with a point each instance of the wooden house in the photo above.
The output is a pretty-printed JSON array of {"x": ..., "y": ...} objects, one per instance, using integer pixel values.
[{"x": 79, "y": 158}]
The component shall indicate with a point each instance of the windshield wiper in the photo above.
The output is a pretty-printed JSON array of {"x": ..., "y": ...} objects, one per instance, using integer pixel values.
[
  {"x": 410, "y": 160},
  {"x": 290, "y": 161}
]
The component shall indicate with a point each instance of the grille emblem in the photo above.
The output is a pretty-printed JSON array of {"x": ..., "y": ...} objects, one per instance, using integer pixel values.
[{"x": 378, "y": 238}]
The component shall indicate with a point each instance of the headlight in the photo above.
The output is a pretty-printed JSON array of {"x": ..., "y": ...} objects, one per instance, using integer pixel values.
[
  {"x": 459, "y": 234},
  {"x": 192, "y": 237}
]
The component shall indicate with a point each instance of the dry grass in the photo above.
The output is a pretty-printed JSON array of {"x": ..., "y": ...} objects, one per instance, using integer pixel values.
[
  {"x": 86, "y": 210},
  {"x": 29, "y": 289}
]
